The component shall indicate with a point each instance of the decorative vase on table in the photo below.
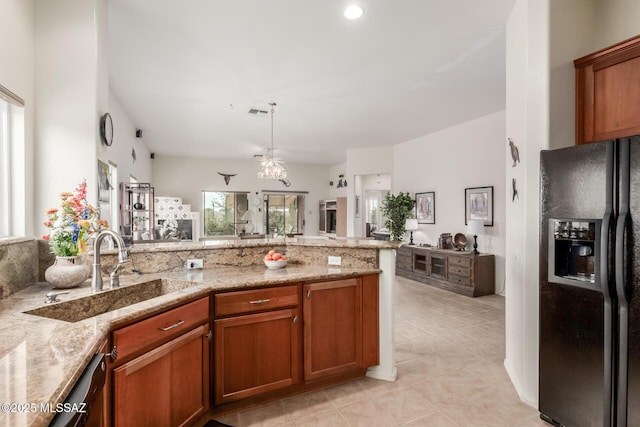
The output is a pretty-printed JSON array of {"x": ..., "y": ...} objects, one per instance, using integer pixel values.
[{"x": 67, "y": 272}]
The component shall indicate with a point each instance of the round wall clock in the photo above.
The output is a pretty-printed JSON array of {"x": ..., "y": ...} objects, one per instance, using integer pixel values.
[{"x": 106, "y": 129}]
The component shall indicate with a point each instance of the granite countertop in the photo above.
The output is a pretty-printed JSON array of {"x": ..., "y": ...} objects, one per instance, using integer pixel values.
[
  {"x": 319, "y": 241},
  {"x": 41, "y": 358}
]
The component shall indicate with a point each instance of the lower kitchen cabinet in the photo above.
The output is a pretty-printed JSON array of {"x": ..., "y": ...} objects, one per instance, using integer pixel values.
[
  {"x": 166, "y": 386},
  {"x": 258, "y": 350},
  {"x": 339, "y": 336},
  {"x": 161, "y": 374},
  {"x": 256, "y": 354}
]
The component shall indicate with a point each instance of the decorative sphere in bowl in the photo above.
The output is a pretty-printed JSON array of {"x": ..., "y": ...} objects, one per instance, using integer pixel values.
[{"x": 281, "y": 263}]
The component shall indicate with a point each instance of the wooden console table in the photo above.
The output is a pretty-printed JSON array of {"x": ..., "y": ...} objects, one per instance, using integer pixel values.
[{"x": 457, "y": 271}]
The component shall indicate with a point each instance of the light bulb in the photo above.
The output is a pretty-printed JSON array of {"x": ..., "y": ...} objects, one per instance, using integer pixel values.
[{"x": 353, "y": 12}]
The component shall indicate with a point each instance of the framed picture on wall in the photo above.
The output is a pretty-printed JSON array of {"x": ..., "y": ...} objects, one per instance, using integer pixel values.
[
  {"x": 426, "y": 207},
  {"x": 478, "y": 204}
]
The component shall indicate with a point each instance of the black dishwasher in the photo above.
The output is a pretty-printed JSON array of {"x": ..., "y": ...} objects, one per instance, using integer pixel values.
[{"x": 83, "y": 406}]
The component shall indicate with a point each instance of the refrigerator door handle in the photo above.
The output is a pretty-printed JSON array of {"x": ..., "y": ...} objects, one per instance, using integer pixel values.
[
  {"x": 624, "y": 154},
  {"x": 606, "y": 235}
]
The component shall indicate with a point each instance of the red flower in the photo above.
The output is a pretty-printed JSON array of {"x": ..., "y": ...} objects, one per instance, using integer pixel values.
[{"x": 46, "y": 237}]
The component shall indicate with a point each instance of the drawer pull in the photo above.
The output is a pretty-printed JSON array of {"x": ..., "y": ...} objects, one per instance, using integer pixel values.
[
  {"x": 309, "y": 294},
  {"x": 260, "y": 301},
  {"x": 295, "y": 320},
  {"x": 175, "y": 325}
]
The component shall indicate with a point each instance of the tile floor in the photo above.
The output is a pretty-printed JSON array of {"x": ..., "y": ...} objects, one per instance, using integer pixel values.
[{"x": 449, "y": 354}]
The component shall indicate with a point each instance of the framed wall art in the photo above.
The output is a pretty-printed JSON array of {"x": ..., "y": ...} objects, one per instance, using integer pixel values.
[
  {"x": 426, "y": 207},
  {"x": 478, "y": 204}
]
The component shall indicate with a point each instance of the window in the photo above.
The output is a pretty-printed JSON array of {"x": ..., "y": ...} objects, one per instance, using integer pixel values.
[
  {"x": 223, "y": 212},
  {"x": 12, "y": 146},
  {"x": 373, "y": 201},
  {"x": 285, "y": 214}
]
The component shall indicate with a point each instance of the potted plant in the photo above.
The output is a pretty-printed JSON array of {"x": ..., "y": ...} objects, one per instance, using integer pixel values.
[
  {"x": 397, "y": 209},
  {"x": 71, "y": 225}
]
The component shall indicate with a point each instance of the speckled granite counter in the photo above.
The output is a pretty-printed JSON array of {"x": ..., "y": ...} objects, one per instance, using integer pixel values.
[{"x": 41, "y": 358}]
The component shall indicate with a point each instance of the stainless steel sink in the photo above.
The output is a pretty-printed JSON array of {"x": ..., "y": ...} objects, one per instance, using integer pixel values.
[{"x": 95, "y": 304}]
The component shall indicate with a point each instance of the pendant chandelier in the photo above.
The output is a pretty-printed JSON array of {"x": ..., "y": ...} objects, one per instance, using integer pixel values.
[{"x": 270, "y": 167}]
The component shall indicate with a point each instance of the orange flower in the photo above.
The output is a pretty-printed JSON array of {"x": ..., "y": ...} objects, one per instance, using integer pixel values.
[
  {"x": 84, "y": 223},
  {"x": 52, "y": 211},
  {"x": 48, "y": 223}
]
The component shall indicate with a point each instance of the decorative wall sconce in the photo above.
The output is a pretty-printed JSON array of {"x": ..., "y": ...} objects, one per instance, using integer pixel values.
[{"x": 341, "y": 182}]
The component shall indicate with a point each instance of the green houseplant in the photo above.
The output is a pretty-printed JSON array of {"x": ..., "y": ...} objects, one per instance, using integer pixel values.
[{"x": 397, "y": 209}]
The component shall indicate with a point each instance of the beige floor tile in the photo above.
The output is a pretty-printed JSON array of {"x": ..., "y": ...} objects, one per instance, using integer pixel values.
[
  {"x": 347, "y": 393},
  {"x": 434, "y": 420},
  {"x": 271, "y": 415},
  {"x": 367, "y": 413},
  {"x": 308, "y": 404},
  {"x": 330, "y": 418}
]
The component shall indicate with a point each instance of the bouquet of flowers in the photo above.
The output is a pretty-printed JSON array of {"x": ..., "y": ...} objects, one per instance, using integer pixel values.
[{"x": 73, "y": 223}]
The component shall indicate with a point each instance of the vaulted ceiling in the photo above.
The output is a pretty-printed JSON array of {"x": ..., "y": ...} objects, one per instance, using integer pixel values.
[{"x": 188, "y": 72}]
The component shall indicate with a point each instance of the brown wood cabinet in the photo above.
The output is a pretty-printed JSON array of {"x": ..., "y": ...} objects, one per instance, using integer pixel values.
[
  {"x": 339, "y": 335},
  {"x": 267, "y": 342},
  {"x": 259, "y": 349},
  {"x": 163, "y": 381},
  {"x": 608, "y": 93},
  {"x": 461, "y": 272}
]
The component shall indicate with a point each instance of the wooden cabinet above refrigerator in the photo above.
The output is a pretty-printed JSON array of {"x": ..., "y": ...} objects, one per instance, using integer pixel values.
[{"x": 608, "y": 93}]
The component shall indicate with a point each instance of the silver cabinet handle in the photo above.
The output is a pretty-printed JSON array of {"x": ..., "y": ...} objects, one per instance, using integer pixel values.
[
  {"x": 260, "y": 301},
  {"x": 295, "y": 320},
  {"x": 175, "y": 325},
  {"x": 309, "y": 294}
]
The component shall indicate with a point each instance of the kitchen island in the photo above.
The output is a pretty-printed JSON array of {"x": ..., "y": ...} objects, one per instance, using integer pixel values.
[{"x": 41, "y": 357}]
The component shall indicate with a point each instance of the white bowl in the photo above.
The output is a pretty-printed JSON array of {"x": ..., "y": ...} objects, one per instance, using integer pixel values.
[{"x": 275, "y": 264}]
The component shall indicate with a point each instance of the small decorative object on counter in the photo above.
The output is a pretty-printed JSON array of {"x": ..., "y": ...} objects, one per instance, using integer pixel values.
[
  {"x": 67, "y": 272},
  {"x": 275, "y": 259},
  {"x": 71, "y": 227}
]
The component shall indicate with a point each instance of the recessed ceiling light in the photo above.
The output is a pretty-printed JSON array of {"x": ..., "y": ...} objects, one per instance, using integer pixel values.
[{"x": 353, "y": 12}]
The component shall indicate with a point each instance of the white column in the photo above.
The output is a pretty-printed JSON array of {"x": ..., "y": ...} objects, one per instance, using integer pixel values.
[{"x": 386, "y": 370}]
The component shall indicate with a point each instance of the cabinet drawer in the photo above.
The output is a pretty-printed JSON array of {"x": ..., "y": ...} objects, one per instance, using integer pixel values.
[
  {"x": 459, "y": 280},
  {"x": 156, "y": 329},
  {"x": 460, "y": 271},
  {"x": 256, "y": 300},
  {"x": 403, "y": 263},
  {"x": 460, "y": 261}
]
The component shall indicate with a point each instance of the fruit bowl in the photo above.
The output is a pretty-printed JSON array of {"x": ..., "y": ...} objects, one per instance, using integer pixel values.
[{"x": 281, "y": 263}]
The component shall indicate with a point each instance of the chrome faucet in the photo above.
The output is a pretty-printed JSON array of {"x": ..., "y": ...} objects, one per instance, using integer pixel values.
[{"x": 123, "y": 256}]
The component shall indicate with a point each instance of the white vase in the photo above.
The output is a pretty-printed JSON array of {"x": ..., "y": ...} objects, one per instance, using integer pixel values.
[{"x": 67, "y": 272}]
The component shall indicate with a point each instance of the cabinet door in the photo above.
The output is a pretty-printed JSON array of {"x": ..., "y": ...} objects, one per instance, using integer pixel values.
[
  {"x": 257, "y": 353},
  {"x": 168, "y": 386},
  {"x": 607, "y": 93},
  {"x": 332, "y": 328}
]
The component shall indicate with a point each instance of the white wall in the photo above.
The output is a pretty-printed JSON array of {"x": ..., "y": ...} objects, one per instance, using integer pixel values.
[
  {"x": 365, "y": 161},
  {"x": 471, "y": 154},
  {"x": 187, "y": 177},
  {"x": 334, "y": 175},
  {"x": 124, "y": 141},
  {"x": 617, "y": 20},
  {"x": 528, "y": 126},
  {"x": 16, "y": 74},
  {"x": 68, "y": 84}
]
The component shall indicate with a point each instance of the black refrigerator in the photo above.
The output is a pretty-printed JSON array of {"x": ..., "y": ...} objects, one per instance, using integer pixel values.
[{"x": 589, "y": 331}]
